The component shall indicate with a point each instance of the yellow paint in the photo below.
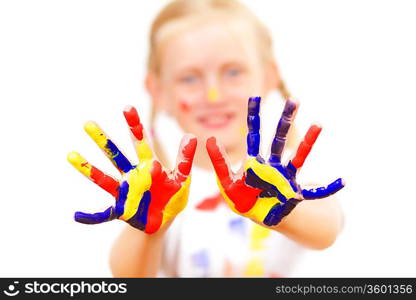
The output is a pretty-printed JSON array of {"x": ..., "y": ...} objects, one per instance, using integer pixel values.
[
  {"x": 228, "y": 200},
  {"x": 95, "y": 132},
  {"x": 261, "y": 208},
  {"x": 143, "y": 150},
  {"x": 272, "y": 176},
  {"x": 258, "y": 212},
  {"x": 255, "y": 268},
  {"x": 177, "y": 203},
  {"x": 258, "y": 235},
  {"x": 213, "y": 94},
  {"x": 79, "y": 163},
  {"x": 263, "y": 205},
  {"x": 243, "y": 131},
  {"x": 139, "y": 181}
]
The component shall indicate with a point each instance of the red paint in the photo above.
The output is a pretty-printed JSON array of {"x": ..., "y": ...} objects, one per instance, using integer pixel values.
[
  {"x": 210, "y": 203},
  {"x": 188, "y": 152},
  {"x": 133, "y": 120},
  {"x": 106, "y": 182},
  {"x": 218, "y": 161},
  {"x": 243, "y": 196},
  {"x": 184, "y": 106},
  {"x": 306, "y": 146},
  {"x": 161, "y": 190}
]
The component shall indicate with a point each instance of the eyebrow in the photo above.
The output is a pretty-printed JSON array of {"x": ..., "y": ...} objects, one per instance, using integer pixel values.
[{"x": 188, "y": 68}]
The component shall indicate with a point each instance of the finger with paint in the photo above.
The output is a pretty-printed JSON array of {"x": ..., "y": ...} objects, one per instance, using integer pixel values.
[
  {"x": 109, "y": 148},
  {"x": 263, "y": 191},
  {"x": 282, "y": 130},
  {"x": 147, "y": 196}
]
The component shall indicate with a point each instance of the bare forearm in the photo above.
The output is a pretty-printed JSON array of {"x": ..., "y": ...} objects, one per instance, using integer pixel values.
[
  {"x": 136, "y": 254},
  {"x": 314, "y": 224}
]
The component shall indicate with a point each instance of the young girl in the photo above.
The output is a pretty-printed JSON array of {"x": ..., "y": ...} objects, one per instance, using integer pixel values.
[{"x": 206, "y": 59}]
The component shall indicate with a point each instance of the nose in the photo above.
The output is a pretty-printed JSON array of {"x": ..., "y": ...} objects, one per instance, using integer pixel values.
[
  {"x": 213, "y": 94},
  {"x": 211, "y": 89}
]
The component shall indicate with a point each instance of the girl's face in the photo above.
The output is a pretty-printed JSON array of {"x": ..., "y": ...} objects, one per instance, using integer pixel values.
[{"x": 207, "y": 74}]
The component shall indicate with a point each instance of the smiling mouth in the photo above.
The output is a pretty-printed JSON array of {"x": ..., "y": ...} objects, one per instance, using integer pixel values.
[{"x": 216, "y": 121}]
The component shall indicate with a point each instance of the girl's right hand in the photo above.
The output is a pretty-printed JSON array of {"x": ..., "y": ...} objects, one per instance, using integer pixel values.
[{"x": 147, "y": 196}]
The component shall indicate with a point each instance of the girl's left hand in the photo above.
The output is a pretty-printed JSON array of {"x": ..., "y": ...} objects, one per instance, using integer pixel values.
[{"x": 263, "y": 191}]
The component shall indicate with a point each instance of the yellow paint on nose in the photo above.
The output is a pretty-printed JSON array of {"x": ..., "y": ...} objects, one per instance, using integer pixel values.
[{"x": 212, "y": 95}]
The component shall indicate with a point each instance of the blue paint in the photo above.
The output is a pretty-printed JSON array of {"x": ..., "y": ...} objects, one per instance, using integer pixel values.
[
  {"x": 284, "y": 207},
  {"x": 323, "y": 192},
  {"x": 287, "y": 172},
  {"x": 291, "y": 170},
  {"x": 96, "y": 218},
  {"x": 279, "y": 211},
  {"x": 253, "y": 124},
  {"x": 139, "y": 220},
  {"x": 289, "y": 109},
  {"x": 119, "y": 159},
  {"x": 122, "y": 196},
  {"x": 254, "y": 105},
  {"x": 238, "y": 226},
  {"x": 260, "y": 159},
  {"x": 274, "y": 215},
  {"x": 253, "y": 144},
  {"x": 294, "y": 186},
  {"x": 281, "y": 132},
  {"x": 268, "y": 189},
  {"x": 281, "y": 169},
  {"x": 201, "y": 260}
]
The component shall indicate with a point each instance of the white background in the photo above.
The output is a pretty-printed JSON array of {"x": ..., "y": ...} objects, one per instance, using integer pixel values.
[{"x": 350, "y": 63}]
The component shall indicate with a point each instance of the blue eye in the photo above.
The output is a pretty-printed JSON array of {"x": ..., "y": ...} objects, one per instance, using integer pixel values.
[
  {"x": 233, "y": 72},
  {"x": 189, "y": 79}
]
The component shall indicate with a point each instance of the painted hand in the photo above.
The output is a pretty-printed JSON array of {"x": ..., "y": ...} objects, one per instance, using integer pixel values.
[
  {"x": 147, "y": 196},
  {"x": 266, "y": 192}
]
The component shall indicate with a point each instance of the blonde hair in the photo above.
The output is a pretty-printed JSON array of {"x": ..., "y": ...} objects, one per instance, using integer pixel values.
[{"x": 181, "y": 9}]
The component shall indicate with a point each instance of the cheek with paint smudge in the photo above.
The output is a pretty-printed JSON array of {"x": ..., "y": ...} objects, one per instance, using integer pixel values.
[{"x": 184, "y": 106}]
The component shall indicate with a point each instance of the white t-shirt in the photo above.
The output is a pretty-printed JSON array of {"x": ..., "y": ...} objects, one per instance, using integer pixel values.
[{"x": 207, "y": 239}]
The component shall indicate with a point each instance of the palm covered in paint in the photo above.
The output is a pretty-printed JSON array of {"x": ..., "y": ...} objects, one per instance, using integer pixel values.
[
  {"x": 263, "y": 191},
  {"x": 147, "y": 196}
]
